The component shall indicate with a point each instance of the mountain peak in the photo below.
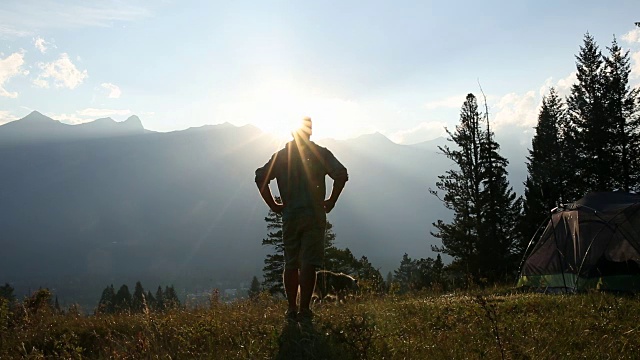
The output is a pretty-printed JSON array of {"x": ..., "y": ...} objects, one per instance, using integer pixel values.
[
  {"x": 133, "y": 122},
  {"x": 376, "y": 136},
  {"x": 36, "y": 116}
]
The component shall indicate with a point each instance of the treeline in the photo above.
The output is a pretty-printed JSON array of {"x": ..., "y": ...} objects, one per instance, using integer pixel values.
[
  {"x": 588, "y": 142},
  {"x": 123, "y": 301},
  {"x": 335, "y": 259},
  {"x": 412, "y": 274}
]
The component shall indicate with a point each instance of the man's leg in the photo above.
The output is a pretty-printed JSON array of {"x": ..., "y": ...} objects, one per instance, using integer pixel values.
[
  {"x": 291, "y": 281},
  {"x": 307, "y": 284}
]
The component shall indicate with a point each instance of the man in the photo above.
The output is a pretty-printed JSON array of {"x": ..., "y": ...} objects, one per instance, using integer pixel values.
[{"x": 300, "y": 169}]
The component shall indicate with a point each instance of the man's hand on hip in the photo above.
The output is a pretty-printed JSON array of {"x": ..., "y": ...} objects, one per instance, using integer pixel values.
[
  {"x": 328, "y": 205},
  {"x": 277, "y": 208}
]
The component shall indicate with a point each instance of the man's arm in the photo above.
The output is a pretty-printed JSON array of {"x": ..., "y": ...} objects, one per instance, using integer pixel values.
[
  {"x": 264, "y": 175},
  {"x": 265, "y": 192},
  {"x": 330, "y": 203},
  {"x": 339, "y": 174}
]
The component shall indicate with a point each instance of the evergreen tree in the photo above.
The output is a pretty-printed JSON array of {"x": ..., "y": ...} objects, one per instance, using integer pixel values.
[
  {"x": 151, "y": 301},
  {"x": 439, "y": 272},
  {"x": 407, "y": 274},
  {"x": 368, "y": 276},
  {"x": 160, "y": 303},
  {"x": 107, "y": 300},
  {"x": 341, "y": 261},
  {"x": 498, "y": 249},
  {"x": 462, "y": 186},
  {"x": 254, "y": 289},
  {"x": 335, "y": 259},
  {"x": 546, "y": 179},
  {"x": 274, "y": 262},
  {"x": 591, "y": 129},
  {"x": 41, "y": 300},
  {"x": 486, "y": 210},
  {"x": 138, "y": 300},
  {"x": 388, "y": 281},
  {"x": 171, "y": 300},
  {"x": 122, "y": 300},
  {"x": 623, "y": 109},
  {"x": 56, "y": 306},
  {"x": 6, "y": 292}
]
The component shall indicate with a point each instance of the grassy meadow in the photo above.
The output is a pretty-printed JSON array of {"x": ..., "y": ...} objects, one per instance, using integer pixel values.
[{"x": 478, "y": 324}]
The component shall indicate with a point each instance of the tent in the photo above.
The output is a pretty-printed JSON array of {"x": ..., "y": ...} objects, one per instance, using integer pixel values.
[{"x": 593, "y": 243}]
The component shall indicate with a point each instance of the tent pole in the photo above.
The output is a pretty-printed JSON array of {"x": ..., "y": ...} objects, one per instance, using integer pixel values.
[{"x": 524, "y": 256}]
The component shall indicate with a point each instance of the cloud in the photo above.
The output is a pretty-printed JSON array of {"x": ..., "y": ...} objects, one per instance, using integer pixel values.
[
  {"x": 97, "y": 113},
  {"x": 40, "y": 44},
  {"x": 72, "y": 119},
  {"x": 450, "y": 102},
  {"x": 632, "y": 36},
  {"x": 516, "y": 109},
  {"x": 562, "y": 86},
  {"x": 425, "y": 130},
  {"x": 87, "y": 115},
  {"x": 10, "y": 67},
  {"x": 63, "y": 72},
  {"x": 635, "y": 65},
  {"x": 114, "y": 90},
  {"x": 25, "y": 17},
  {"x": 6, "y": 116}
]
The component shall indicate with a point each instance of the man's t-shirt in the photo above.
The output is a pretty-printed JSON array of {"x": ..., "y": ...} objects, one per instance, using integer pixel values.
[{"x": 300, "y": 171}]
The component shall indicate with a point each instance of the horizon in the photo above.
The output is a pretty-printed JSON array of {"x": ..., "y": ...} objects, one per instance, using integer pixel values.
[
  {"x": 220, "y": 124},
  {"x": 401, "y": 70}
]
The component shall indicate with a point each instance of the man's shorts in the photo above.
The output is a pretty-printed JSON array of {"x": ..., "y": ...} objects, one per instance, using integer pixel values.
[{"x": 303, "y": 238}]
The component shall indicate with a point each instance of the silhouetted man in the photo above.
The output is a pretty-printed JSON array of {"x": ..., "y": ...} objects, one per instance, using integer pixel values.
[{"x": 300, "y": 169}]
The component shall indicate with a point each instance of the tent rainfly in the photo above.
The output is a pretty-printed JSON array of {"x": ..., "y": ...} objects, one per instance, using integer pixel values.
[{"x": 593, "y": 243}]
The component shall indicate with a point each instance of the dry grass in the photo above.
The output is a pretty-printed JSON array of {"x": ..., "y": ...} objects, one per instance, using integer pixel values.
[{"x": 472, "y": 325}]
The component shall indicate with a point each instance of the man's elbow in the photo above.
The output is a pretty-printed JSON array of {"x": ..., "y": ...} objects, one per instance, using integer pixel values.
[{"x": 341, "y": 176}]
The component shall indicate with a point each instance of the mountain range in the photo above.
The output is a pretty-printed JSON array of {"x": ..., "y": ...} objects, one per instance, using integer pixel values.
[{"x": 106, "y": 202}]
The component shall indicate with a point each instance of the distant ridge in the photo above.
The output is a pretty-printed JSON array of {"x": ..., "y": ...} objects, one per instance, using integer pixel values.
[{"x": 37, "y": 127}]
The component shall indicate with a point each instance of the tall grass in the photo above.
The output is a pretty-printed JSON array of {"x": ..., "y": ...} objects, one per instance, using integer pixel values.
[{"x": 470, "y": 325}]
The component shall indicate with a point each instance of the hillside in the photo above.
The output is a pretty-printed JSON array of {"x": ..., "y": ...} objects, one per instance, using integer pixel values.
[
  {"x": 470, "y": 325},
  {"x": 87, "y": 205}
]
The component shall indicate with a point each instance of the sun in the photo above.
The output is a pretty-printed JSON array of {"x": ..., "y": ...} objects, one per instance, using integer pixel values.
[{"x": 278, "y": 108}]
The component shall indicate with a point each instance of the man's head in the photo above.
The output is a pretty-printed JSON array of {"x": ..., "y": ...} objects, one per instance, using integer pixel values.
[{"x": 305, "y": 130}]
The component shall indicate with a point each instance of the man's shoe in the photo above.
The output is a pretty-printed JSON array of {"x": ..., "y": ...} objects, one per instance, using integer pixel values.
[
  {"x": 305, "y": 315},
  {"x": 291, "y": 316}
]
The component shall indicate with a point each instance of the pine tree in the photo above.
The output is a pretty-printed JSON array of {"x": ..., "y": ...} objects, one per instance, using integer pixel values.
[
  {"x": 6, "y": 292},
  {"x": 501, "y": 211},
  {"x": 138, "y": 300},
  {"x": 407, "y": 274},
  {"x": 341, "y": 261},
  {"x": 592, "y": 131},
  {"x": 122, "y": 300},
  {"x": 151, "y": 301},
  {"x": 171, "y": 300},
  {"x": 389, "y": 281},
  {"x": 335, "y": 259},
  {"x": 547, "y": 174},
  {"x": 159, "y": 303},
  {"x": 107, "y": 300},
  {"x": 274, "y": 262},
  {"x": 462, "y": 187},
  {"x": 486, "y": 210},
  {"x": 254, "y": 289},
  {"x": 622, "y": 106},
  {"x": 56, "y": 306},
  {"x": 369, "y": 276}
]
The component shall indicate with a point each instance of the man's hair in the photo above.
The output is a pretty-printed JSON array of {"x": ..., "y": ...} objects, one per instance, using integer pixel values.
[{"x": 305, "y": 127}]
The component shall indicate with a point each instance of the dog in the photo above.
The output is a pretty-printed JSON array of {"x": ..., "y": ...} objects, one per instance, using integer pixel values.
[{"x": 334, "y": 286}]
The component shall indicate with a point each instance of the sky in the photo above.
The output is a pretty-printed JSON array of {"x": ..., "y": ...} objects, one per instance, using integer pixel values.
[{"x": 401, "y": 68}]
